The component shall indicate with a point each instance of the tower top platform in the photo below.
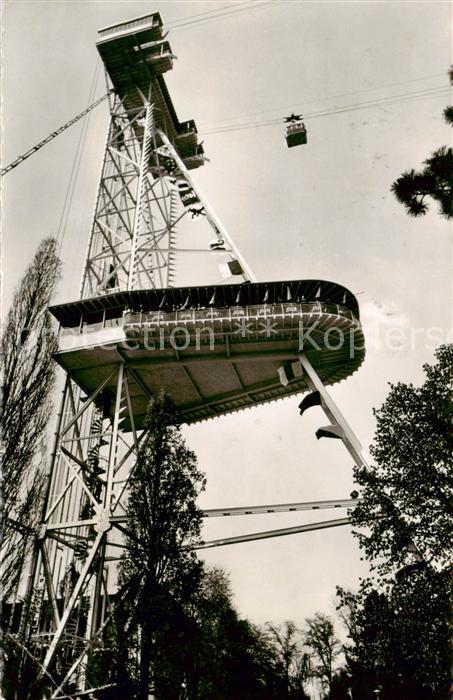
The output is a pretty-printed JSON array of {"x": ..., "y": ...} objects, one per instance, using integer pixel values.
[
  {"x": 135, "y": 54},
  {"x": 216, "y": 349}
]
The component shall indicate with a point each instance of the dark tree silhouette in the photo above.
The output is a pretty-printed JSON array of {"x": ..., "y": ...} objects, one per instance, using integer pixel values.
[
  {"x": 434, "y": 181},
  {"x": 320, "y": 638},
  {"x": 448, "y": 111},
  {"x": 448, "y": 114},
  {"x": 160, "y": 568},
  {"x": 232, "y": 657},
  {"x": 414, "y": 188},
  {"x": 399, "y": 623},
  {"x": 294, "y": 663},
  {"x": 28, "y": 375},
  {"x": 400, "y": 635},
  {"x": 406, "y": 504}
]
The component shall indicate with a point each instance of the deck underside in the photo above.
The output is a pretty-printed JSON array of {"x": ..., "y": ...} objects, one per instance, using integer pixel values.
[{"x": 213, "y": 360}]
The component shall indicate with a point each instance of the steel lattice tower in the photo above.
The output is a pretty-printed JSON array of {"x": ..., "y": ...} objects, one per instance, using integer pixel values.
[
  {"x": 153, "y": 228},
  {"x": 145, "y": 194}
]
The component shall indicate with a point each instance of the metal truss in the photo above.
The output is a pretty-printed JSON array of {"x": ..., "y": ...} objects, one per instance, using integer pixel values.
[
  {"x": 145, "y": 198},
  {"x": 93, "y": 460},
  {"x": 146, "y": 195},
  {"x": 152, "y": 227},
  {"x": 84, "y": 521}
]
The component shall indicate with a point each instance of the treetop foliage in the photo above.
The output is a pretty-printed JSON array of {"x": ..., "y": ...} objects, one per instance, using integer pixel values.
[
  {"x": 27, "y": 380},
  {"x": 159, "y": 571},
  {"x": 163, "y": 518},
  {"x": 448, "y": 111},
  {"x": 406, "y": 504},
  {"x": 321, "y": 639},
  {"x": 400, "y": 635},
  {"x": 434, "y": 181}
]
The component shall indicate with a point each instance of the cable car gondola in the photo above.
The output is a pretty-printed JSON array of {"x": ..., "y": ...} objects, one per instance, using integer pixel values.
[{"x": 295, "y": 132}]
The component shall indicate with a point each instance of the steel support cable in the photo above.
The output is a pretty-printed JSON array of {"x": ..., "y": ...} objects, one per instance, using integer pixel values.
[
  {"x": 227, "y": 122},
  {"x": 228, "y": 12},
  {"x": 62, "y": 224},
  {"x": 64, "y": 217},
  {"x": 397, "y": 99},
  {"x": 382, "y": 102},
  {"x": 176, "y": 22},
  {"x": 278, "y": 122},
  {"x": 51, "y": 136},
  {"x": 378, "y": 102},
  {"x": 77, "y": 164}
]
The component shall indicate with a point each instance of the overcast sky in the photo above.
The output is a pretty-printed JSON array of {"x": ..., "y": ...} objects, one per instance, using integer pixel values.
[{"x": 320, "y": 211}]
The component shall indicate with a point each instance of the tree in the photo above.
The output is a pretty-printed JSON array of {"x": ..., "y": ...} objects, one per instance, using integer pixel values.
[
  {"x": 320, "y": 638},
  {"x": 232, "y": 657},
  {"x": 400, "y": 635},
  {"x": 221, "y": 645},
  {"x": 448, "y": 111},
  {"x": 435, "y": 180},
  {"x": 303, "y": 671},
  {"x": 341, "y": 686},
  {"x": 400, "y": 622},
  {"x": 160, "y": 568},
  {"x": 448, "y": 114},
  {"x": 22, "y": 673},
  {"x": 405, "y": 512},
  {"x": 294, "y": 663},
  {"x": 28, "y": 376}
]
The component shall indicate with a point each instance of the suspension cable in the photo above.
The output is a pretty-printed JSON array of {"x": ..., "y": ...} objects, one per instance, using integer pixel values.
[
  {"x": 61, "y": 231},
  {"x": 51, "y": 136},
  {"x": 377, "y": 102},
  {"x": 218, "y": 14}
]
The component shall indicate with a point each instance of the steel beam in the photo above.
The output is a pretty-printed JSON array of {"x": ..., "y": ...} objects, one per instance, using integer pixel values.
[
  {"x": 215, "y": 222},
  {"x": 266, "y": 509},
  {"x": 274, "y": 533},
  {"x": 333, "y": 413},
  {"x": 280, "y": 508}
]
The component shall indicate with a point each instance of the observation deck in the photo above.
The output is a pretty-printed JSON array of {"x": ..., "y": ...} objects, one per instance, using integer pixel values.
[
  {"x": 215, "y": 349},
  {"x": 135, "y": 55}
]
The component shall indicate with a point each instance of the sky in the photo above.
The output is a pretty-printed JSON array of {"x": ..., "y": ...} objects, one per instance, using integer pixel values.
[{"x": 320, "y": 211}]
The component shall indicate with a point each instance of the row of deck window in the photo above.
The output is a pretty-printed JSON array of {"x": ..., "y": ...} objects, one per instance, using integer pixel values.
[{"x": 184, "y": 316}]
